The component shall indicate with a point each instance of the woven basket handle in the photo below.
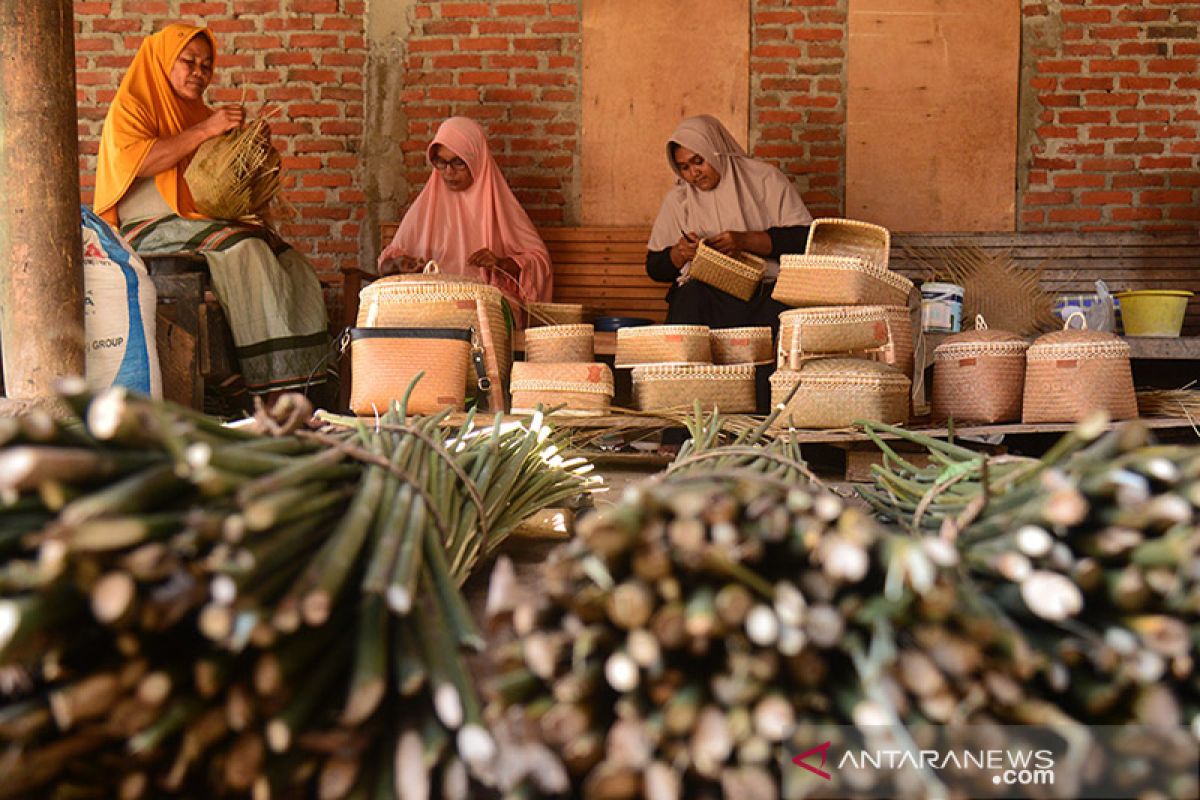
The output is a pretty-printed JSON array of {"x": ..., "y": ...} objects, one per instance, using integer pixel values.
[
  {"x": 980, "y": 323},
  {"x": 431, "y": 268},
  {"x": 1073, "y": 315}
]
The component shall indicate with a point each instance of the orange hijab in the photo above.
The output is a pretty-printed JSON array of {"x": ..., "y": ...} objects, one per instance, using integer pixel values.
[{"x": 146, "y": 109}]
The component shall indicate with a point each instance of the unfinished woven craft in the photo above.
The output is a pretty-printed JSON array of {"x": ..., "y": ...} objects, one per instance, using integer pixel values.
[
  {"x": 738, "y": 275},
  {"x": 979, "y": 376},
  {"x": 807, "y": 332},
  {"x": 560, "y": 343},
  {"x": 663, "y": 344},
  {"x": 584, "y": 389},
  {"x": 554, "y": 314},
  {"x": 433, "y": 300},
  {"x": 728, "y": 388},
  {"x": 829, "y": 280},
  {"x": 850, "y": 237},
  {"x": 1072, "y": 373},
  {"x": 741, "y": 345},
  {"x": 834, "y": 392}
]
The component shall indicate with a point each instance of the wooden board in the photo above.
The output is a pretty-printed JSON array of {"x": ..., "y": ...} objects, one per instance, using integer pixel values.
[
  {"x": 177, "y": 353},
  {"x": 645, "y": 67},
  {"x": 932, "y": 114}
]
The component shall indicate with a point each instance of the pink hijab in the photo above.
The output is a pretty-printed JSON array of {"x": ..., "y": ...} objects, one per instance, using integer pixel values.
[{"x": 449, "y": 226}]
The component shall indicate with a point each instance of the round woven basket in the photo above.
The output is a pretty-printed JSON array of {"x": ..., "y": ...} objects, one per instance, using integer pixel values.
[
  {"x": 736, "y": 275},
  {"x": 806, "y": 332},
  {"x": 1072, "y": 373},
  {"x": 850, "y": 237},
  {"x": 979, "y": 376},
  {"x": 663, "y": 344},
  {"x": 727, "y": 387},
  {"x": 440, "y": 301},
  {"x": 560, "y": 343},
  {"x": 838, "y": 280},
  {"x": 585, "y": 389},
  {"x": 741, "y": 345},
  {"x": 834, "y": 392},
  {"x": 554, "y": 314}
]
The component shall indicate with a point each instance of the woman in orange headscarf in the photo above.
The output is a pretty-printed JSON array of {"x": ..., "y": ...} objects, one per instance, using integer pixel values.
[
  {"x": 158, "y": 119},
  {"x": 468, "y": 220}
]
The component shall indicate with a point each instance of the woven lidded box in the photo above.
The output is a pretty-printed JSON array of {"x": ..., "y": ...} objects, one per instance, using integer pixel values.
[
  {"x": 741, "y": 345},
  {"x": 559, "y": 343},
  {"x": 834, "y": 392},
  {"x": 1072, "y": 373},
  {"x": 826, "y": 280},
  {"x": 979, "y": 375},
  {"x": 727, "y": 387},
  {"x": 738, "y": 275},
  {"x": 582, "y": 388},
  {"x": 663, "y": 344}
]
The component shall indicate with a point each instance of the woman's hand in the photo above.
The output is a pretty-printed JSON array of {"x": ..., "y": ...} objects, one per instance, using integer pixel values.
[
  {"x": 224, "y": 118},
  {"x": 684, "y": 250},
  {"x": 487, "y": 260},
  {"x": 730, "y": 242},
  {"x": 395, "y": 263}
]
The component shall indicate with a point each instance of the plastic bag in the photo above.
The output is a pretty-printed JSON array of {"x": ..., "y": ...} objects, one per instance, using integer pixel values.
[{"x": 1099, "y": 309}]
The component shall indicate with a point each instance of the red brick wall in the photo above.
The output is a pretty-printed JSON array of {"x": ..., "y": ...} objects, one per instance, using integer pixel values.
[
  {"x": 513, "y": 66},
  {"x": 304, "y": 56},
  {"x": 797, "y": 95},
  {"x": 1113, "y": 140}
]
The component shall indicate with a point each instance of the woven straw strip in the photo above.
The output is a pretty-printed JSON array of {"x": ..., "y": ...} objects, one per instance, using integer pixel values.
[
  {"x": 655, "y": 331},
  {"x": 987, "y": 388},
  {"x": 1054, "y": 393},
  {"x": 558, "y": 331},
  {"x": 946, "y": 352},
  {"x": 717, "y": 372},
  {"x": 583, "y": 387},
  {"x": 832, "y": 315},
  {"x": 1081, "y": 350}
]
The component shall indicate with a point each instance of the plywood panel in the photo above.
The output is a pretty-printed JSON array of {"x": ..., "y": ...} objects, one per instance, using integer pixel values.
[
  {"x": 645, "y": 67},
  {"x": 932, "y": 114}
]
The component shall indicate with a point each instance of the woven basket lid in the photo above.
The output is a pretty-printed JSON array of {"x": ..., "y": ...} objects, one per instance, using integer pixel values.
[
  {"x": 742, "y": 333},
  {"x": 559, "y": 331},
  {"x": 594, "y": 378},
  {"x": 1078, "y": 343},
  {"x": 843, "y": 372},
  {"x": 836, "y": 315},
  {"x": 680, "y": 372},
  {"x": 847, "y": 263},
  {"x": 982, "y": 341},
  {"x": 653, "y": 331}
]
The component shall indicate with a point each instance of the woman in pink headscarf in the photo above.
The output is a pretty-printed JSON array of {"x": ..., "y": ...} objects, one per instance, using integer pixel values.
[{"x": 469, "y": 222}]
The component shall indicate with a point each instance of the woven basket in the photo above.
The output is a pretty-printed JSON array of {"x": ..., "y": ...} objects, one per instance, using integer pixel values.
[
  {"x": 737, "y": 275},
  {"x": 850, "y": 237},
  {"x": 560, "y": 343},
  {"x": 898, "y": 351},
  {"x": 663, "y": 344},
  {"x": 540, "y": 314},
  {"x": 433, "y": 300},
  {"x": 821, "y": 280},
  {"x": 727, "y": 387},
  {"x": 585, "y": 389},
  {"x": 384, "y": 361},
  {"x": 834, "y": 392},
  {"x": 741, "y": 345},
  {"x": 807, "y": 332},
  {"x": 979, "y": 376},
  {"x": 1072, "y": 373}
]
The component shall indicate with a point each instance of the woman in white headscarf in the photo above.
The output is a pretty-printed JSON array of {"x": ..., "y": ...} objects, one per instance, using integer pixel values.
[{"x": 733, "y": 203}]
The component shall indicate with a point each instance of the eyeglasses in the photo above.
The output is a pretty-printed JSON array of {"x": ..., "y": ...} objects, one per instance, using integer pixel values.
[{"x": 456, "y": 164}]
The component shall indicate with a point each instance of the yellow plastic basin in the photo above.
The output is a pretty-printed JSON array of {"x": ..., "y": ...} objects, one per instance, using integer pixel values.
[{"x": 1153, "y": 312}]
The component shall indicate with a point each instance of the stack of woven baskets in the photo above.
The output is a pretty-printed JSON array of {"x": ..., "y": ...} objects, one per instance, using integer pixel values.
[
  {"x": 560, "y": 370},
  {"x": 673, "y": 366},
  {"x": 846, "y": 351}
]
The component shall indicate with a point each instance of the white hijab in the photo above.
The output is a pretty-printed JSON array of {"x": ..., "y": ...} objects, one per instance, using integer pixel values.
[{"x": 751, "y": 196}]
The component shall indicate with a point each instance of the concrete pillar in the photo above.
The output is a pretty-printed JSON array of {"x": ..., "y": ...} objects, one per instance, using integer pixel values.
[{"x": 41, "y": 272}]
